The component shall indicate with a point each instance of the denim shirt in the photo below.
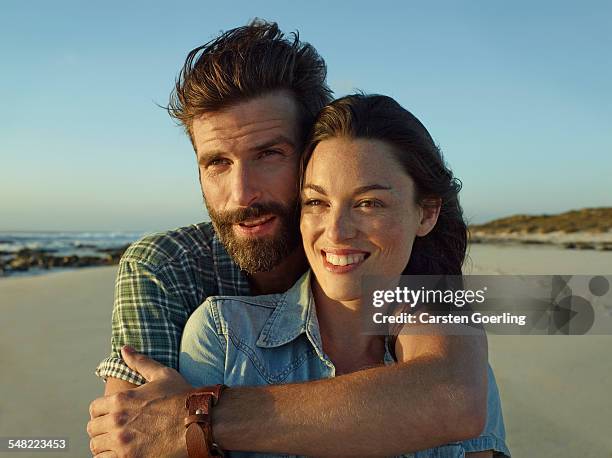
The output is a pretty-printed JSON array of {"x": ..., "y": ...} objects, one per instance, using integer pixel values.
[{"x": 275, "y": 339}]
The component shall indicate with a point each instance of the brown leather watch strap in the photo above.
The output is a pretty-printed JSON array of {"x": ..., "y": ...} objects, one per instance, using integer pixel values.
[{"x": 198, "y": 433}]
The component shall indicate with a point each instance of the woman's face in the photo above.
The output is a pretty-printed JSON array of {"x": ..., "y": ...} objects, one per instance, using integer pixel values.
[{"x": 359, "y": 215}]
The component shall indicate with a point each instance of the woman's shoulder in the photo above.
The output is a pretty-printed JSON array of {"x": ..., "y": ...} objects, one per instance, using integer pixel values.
[
  {"x": 240, "y": 313},
  {"x": 228, "y": 302},
  {"x": 250, "y": 316},
  {"x": 231, "y": 308}
]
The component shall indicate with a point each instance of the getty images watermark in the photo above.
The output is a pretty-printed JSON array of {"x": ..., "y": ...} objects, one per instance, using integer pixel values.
[{"x": 501, "y": 304}]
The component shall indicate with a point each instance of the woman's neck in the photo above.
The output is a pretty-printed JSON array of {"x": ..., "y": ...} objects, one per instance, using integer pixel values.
[{"x": 342, "y": 333}]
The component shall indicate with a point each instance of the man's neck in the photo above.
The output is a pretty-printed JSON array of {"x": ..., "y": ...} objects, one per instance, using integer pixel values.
[{"x": 282, "y": 277}]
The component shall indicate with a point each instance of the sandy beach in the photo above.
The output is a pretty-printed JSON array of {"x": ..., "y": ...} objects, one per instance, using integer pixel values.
[
  {"x": 555, "y": 390},
  {"x": 56, "y": 327}
]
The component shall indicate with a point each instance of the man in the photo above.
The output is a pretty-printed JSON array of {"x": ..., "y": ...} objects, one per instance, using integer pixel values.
[{"x": 247, "y": 100}]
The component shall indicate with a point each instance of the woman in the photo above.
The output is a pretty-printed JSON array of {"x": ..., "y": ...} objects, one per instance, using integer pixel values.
[{"x": 376, "y": 199}]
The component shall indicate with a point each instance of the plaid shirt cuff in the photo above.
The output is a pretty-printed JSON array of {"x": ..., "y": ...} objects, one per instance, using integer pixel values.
[{"x": 116, "y": 368}]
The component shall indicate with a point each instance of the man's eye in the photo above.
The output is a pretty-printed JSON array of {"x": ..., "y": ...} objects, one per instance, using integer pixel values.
[
  {"x": 217, "y": 162},
  {"x": 268, "y": 152}
]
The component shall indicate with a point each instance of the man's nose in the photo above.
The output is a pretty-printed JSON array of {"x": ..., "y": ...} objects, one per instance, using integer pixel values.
[
  {"x": 340, "y": 226},
  {"x": 245, "y": 188}
]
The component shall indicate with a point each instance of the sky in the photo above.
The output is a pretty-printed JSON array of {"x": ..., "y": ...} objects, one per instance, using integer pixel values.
[{"x": 517, "y": 94}]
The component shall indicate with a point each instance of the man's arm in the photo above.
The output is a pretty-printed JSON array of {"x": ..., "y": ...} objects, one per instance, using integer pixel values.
[
  {"x": 436, "y": 395},
  {"x": 147, "y": 315},
  {"x": 154, "y": 296},
  {"x": 144, "y": 421}
]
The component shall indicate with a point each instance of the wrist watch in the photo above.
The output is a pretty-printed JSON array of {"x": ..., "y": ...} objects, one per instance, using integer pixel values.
[{"x": 198, "y": 423}]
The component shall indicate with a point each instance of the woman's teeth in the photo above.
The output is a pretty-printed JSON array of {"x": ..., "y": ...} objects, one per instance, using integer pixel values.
[{"x": 344, "y": 260}]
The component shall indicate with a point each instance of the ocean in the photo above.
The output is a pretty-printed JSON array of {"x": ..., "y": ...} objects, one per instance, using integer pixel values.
[{"x": 64, "y": 243}]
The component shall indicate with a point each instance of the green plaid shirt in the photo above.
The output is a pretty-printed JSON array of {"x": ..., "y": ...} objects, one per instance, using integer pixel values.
[{"x": 162, "y": 279}]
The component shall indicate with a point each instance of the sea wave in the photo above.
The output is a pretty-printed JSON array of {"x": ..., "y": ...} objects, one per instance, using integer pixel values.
[{"x": 64, "y": 242}]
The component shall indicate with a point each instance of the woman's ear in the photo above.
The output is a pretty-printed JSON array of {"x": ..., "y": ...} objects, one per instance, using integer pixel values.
[{"x": 429, "y": 216}]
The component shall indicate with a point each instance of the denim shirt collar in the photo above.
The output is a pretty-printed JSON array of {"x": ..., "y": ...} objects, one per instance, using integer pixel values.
[{"x": 294, "y": 314}]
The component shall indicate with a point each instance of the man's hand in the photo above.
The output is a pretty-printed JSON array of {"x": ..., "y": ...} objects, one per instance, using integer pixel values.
[{"x": 144, "y": 421}]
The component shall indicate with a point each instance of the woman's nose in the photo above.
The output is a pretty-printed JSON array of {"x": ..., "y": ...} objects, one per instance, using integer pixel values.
[{"x": 340, "y": 226}]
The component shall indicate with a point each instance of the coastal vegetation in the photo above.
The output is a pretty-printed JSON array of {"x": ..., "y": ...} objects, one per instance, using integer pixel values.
[{"x": 588, "y": 228}]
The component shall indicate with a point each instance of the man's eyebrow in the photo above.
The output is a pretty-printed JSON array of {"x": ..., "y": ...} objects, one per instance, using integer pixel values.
[
  {"x": 276, "y": 141},
  {"x": 360, "y": 190},
  {"x": 209, "y": 156},
  {"x": 217, "y": 153}
]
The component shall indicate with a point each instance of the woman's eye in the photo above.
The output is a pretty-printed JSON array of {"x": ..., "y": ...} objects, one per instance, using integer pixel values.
[
  {"x": 312, "y": 203},
  {"x": 369, "y": 204}
]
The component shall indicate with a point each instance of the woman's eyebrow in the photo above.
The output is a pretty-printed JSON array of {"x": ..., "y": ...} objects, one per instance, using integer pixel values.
[
  {"x": 360, "y": 190},
  {"x": 315, "y": 188},
  {"x": 371, "y": 187}
]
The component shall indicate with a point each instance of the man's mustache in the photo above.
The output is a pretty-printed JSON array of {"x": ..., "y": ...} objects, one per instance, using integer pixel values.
[{"x": 254, "y": 211}]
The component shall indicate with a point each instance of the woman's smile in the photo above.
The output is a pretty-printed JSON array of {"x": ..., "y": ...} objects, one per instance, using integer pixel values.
[
  {"x": 342, "y": 260},
  {"x": 360, "y": 222}
]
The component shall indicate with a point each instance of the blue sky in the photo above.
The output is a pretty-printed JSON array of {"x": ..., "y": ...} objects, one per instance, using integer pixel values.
[{"x": 517, "y": 94}]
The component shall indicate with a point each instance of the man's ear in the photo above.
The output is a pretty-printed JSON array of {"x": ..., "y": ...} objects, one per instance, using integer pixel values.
[{"x": 429, "y": 216}]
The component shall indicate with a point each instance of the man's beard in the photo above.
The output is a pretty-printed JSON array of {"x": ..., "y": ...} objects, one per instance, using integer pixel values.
[{"x": 258, "y": 254}]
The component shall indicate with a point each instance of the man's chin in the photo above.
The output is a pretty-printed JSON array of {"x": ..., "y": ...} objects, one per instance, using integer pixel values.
[
  {"x": 256, "y": 255},
  {"x": 258, "y": 247}
]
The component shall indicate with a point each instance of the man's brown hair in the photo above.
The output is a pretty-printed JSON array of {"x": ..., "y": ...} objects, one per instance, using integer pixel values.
[{"x": 248, "y": 62}]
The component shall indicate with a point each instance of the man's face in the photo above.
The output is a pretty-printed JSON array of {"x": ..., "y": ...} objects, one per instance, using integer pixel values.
[{"x": 249, "y": 162}]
